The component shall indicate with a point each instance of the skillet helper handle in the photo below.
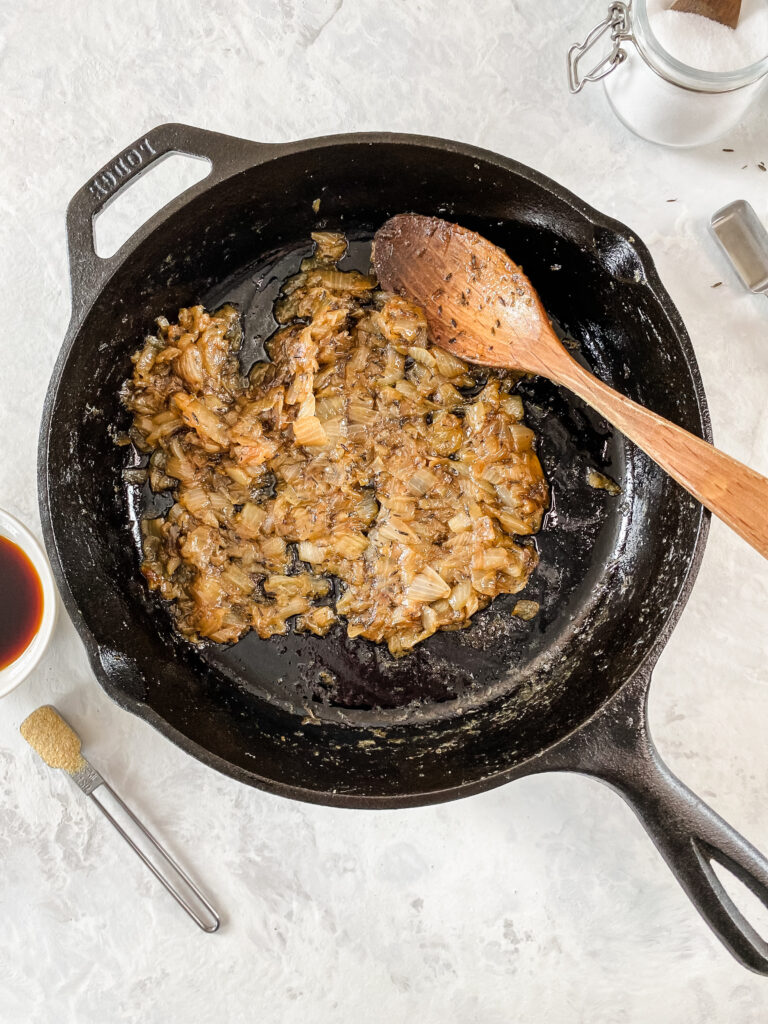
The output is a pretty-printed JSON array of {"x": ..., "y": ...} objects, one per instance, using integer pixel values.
[
  {"x": 616, "y": 747},
  {"x": 732, "y": 491},
  {"x": 88, "y": 270}
]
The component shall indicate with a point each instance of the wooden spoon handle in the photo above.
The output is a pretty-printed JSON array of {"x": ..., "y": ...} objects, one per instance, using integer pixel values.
[{"x": 732, "y": 491}]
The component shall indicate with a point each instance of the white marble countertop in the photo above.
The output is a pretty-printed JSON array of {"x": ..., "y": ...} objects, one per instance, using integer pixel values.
[{"x": 540, "y": 901}]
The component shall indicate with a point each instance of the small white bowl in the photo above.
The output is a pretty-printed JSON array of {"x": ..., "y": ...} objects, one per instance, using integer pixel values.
[{"x": 18, "y": 670}]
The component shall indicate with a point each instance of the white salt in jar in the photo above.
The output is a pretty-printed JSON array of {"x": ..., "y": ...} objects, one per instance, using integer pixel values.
[{"x": 683, "y": 80}]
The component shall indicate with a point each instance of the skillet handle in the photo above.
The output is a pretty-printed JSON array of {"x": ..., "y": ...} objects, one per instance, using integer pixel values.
[
  {"x": 616, "y": 747},
  {"x": 88, "y": 270}
]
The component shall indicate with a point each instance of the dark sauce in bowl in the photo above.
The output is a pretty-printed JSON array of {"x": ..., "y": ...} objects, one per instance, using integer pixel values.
[{"x": 21, "y": 602}]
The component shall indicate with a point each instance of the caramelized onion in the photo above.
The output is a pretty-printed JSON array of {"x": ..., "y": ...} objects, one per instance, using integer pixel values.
[{"x": 352, "y": 451}]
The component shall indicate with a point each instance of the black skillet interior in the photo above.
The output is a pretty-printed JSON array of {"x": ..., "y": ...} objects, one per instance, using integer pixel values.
[{"x": 336, "y": 720}]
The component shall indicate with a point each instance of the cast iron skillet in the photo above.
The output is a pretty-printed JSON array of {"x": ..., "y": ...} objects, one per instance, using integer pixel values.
[{"x": 337, "y": 721}]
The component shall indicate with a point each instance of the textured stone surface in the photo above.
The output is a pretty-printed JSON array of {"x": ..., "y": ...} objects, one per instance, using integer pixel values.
[{"x": 541, "y": 901}]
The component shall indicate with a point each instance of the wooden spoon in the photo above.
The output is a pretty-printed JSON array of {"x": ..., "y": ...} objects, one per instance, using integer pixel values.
[
  {"x": 727, "y": 12},
  {"x": 482, "y": 307}
]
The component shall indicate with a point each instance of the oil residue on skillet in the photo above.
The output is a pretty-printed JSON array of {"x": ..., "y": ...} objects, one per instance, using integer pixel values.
[{"x": 336, "y": 672}]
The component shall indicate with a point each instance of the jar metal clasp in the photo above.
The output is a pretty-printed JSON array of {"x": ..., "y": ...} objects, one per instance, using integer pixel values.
[{"x": 617, "y": 23}]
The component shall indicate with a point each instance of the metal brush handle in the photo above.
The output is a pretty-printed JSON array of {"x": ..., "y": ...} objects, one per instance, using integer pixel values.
[{"x": 169, "y": 872}]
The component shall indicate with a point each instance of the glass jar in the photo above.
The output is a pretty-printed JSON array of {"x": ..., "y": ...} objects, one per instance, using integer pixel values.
[{"x": 657, "y": 96}]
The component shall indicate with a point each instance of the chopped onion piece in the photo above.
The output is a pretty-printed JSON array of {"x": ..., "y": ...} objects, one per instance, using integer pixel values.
[
  {"x": 460, "y": 595},
  {"x": 197, "y": 415},
  {"x": 459, "y": 522},
  {"x": 361, "y": 413},
  {"x": 520, "y": 436},
  {"x": 422, "y": 481},
  {"x": 292, "y": 471},
  {"x": 409, "y": 391},
  {"x": 273, "y": 547},
  {"x": 510, "y": 494},
  {"x": 526, "y": 609},
  {"x": 395, "y": 529},
  {"x": 349, "y": 545},
  {"x": 423, "y": 356},
  {"x": 316, "y": 620},
  {"x": 368, "y": 509},
  {"x": 307, "y": 407},
  {"x": 239, "y": 580},
  {"x": 394, "y": 367},
  {"x": 429, "y": 619},
  {"x": 601, "y": 482},
  {"x": 493, "y": 558},
  {"x": 236, "y": 473},
  {"x": 330, "y": 246},
  {"x": 475, "y": 415},
  {"x": 448, "y": 365},
  {"x": 249, "y": 520},
  {"x": 400, "y": 506},
  {"x": 328, "y": 408},
  {"x": 428, "y": 586},
  {"x": 338, "y": 280},
  {"x": 309, "y": 431},
  {"x": 512, "y": 523},
  {"x": 334, "y": 429},
  {"x": 311, "y": 552},
  {"x": 512, "y": 406}
]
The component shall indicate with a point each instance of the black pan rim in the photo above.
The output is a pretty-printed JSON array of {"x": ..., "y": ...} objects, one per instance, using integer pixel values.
[{"x": 263, "y": 153}]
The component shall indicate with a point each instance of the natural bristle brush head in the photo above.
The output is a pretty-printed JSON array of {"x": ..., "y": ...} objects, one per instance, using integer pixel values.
[{"x": 54, "y": 740}]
